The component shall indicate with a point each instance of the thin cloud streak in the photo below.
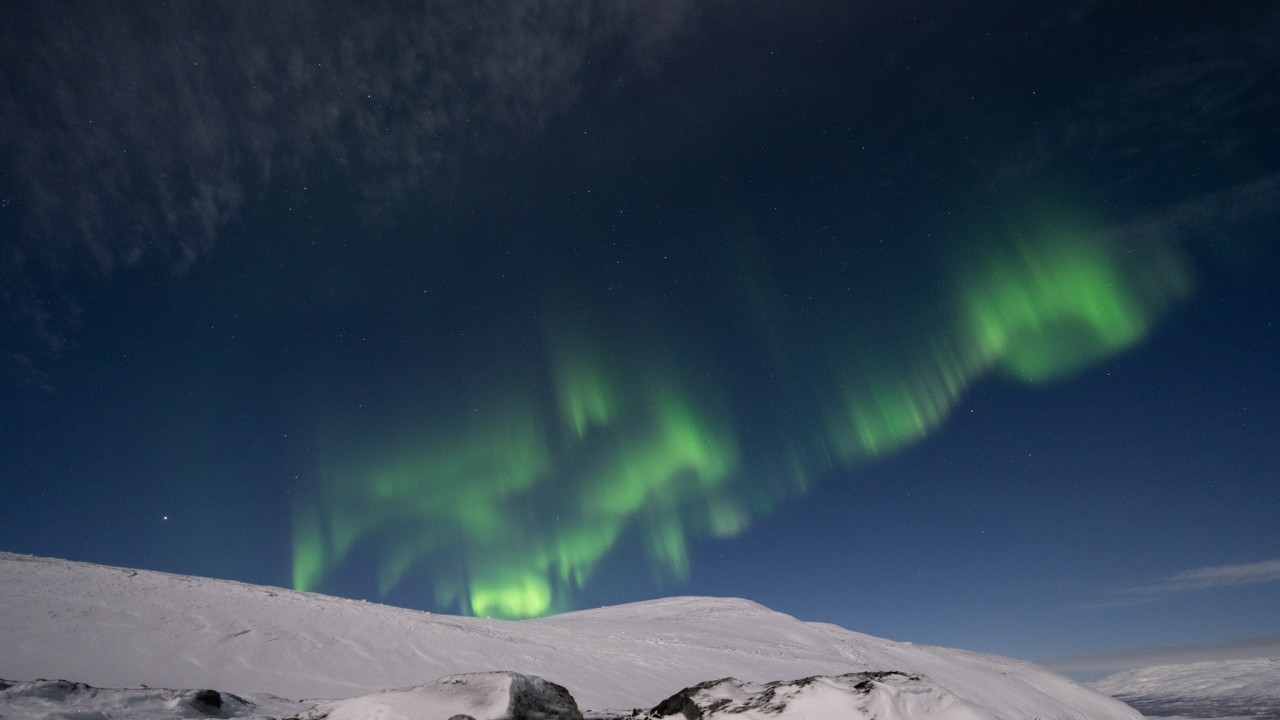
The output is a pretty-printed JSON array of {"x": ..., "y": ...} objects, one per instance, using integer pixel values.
[
  {"x": 1214, "y": 577},
  {"x": 1175, "y": 655},
  {"x": 1206, "y": 578}
]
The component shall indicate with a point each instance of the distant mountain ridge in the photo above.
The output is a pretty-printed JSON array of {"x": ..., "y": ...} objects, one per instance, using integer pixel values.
[
  {"x": 116, "y": 627},
  {"x": 1219, "y": 688}
]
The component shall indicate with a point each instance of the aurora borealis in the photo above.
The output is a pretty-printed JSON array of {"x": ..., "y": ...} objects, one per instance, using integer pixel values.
[
  {"x": 945, "y": 324},
  {"x": 625, "y": 452},
  {"x": 617, "y": 446}
]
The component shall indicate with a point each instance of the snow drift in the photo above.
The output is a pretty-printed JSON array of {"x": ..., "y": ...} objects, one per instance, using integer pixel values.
[
  {"x": 478, "y": 696},
  {"x": 115, "y": 627}
]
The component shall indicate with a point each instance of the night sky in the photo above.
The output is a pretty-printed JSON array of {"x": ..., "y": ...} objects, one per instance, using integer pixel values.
[{"x": 947, "y": 322}]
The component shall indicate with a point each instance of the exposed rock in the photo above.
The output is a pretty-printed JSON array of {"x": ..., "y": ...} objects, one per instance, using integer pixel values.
[
  {"x": 682, "y": 703},
  {"x": 208, "y": 702},
  {"x": 533, "y": 698},
  {"x": 853, "y": 695}
]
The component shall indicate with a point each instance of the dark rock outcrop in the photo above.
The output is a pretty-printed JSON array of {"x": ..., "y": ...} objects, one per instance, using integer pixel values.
[
  {"x": 533, "y": 698},
  {"x": 714, "y": 696}
]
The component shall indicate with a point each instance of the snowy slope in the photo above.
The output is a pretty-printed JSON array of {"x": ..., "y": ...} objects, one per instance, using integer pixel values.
[
  {"x": 1249, "y": 687},
  {"x": 113, "y": 627}
]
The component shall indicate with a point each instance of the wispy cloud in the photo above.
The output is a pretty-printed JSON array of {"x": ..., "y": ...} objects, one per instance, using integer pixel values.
[
  {"x": 1200, "y": 82},
  {"x": 1096, "y": 665},
  {"x": 1206, "y": 578},
  {"x": 1212, "y": 577},
  {"x": 137, "y": 133}
]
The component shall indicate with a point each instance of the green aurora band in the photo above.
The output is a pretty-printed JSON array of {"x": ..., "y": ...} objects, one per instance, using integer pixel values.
[
  {"x": 512, "y": 509},
  {"x": 628, "y": 450},
  {"x": 1032, "y": 313}
]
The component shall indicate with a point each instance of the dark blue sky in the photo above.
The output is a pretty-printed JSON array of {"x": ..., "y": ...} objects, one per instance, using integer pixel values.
[{"x": 947, "y": 324}]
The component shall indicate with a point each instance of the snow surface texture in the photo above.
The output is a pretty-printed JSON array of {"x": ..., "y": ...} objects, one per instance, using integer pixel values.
[
  {"x": 483, "y": 696},
  {"x": 114, "y": 627},
  {"x": 62, "y": 699},
  {"x": 1241, "y": 688}
]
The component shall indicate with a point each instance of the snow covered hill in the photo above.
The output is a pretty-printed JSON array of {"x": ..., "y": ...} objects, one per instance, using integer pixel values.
[
  {"x": 1246, "y": 688},
  {"x": 114, "y": 627}
]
